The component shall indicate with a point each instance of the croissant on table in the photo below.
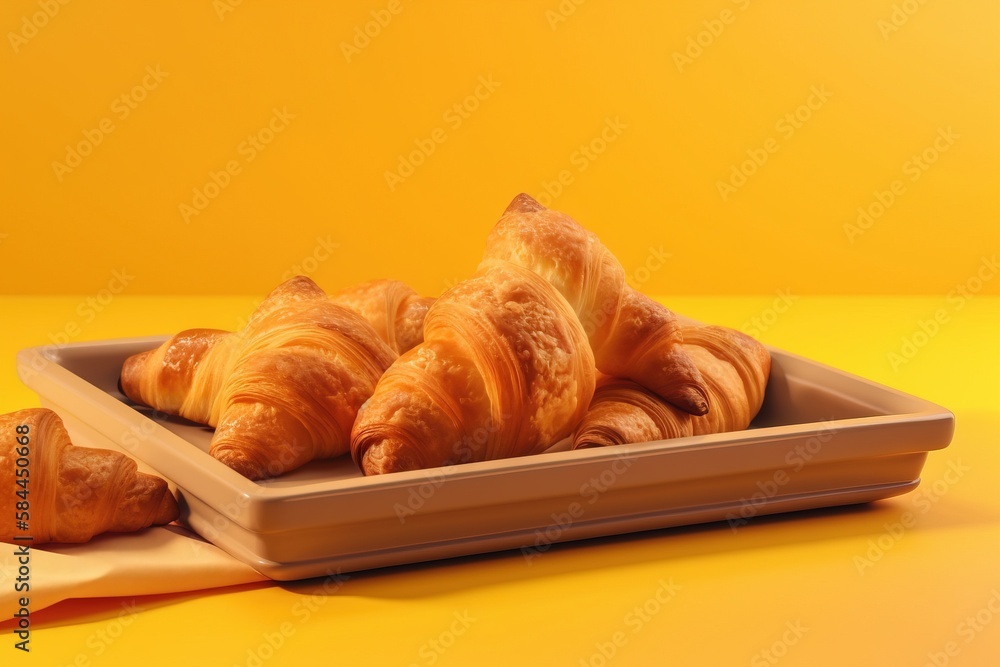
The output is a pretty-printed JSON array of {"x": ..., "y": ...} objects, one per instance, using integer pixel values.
[
  {"x": 507, "y": 363},
  {"x": 54, "y": 491},
  {"x": 735, "y": 368},
  {"x": 281, "y": 392}
]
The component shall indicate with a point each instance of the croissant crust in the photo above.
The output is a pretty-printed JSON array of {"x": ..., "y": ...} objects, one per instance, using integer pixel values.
[
  {"x": 281, "y": 392},
  {"x": 70, "y": 493},
  {"x": 735, "y": 368}
]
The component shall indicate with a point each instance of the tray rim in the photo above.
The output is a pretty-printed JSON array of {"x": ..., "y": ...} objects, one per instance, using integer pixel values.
[
  {"x": 923, "y": 410},
  {"x": 513, "y": 540}
]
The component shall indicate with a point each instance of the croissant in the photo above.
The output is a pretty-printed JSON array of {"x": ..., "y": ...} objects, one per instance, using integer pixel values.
[
  {"x": 281, "y": 392},
  {"x": 504, "y": 370},
  {"x": 53, "y": 491},
  {"x": 394, "y": 310},
  {"x": 631, "y": 335},
  {"x": 735, "y": 368}
]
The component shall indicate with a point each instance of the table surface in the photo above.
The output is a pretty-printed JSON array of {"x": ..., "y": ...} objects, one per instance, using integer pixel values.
[{"x": 837, "y": 586}]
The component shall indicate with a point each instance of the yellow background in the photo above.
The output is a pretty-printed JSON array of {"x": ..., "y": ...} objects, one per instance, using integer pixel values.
[
  {"x": 561, "y": 71},
  {"x": 316, "y": 200}
]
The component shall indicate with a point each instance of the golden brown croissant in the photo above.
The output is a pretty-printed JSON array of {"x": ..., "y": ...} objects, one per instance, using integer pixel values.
[
  {"x": 505, "y": 369},
  {"x": 281, "y": 392},
  {"x": 64, "y": 493},
  {"x": 631, "y": 335},
  {"x": 735, "y": 368},
  {"x": 394, "y": 310}
]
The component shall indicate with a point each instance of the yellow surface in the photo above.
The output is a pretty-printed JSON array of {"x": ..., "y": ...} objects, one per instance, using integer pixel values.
[
  {"x": 287, "y": 118},
  {"x": 789, "y": 585}
]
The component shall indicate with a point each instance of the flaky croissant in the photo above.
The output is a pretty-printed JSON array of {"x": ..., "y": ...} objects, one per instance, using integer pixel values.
[
  {"x": 735, "y": 368},
  {"x": 504, "y": 370},
  {"x": 281, "y": 392},
  {"x": 54, "y": 491},
  {"x": 393, "y": 308},
  {"x": 631, "y": 335},
  {"x": 429, "y": 404}
]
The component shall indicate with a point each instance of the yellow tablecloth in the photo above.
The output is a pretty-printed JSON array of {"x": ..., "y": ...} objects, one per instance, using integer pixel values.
[{"x": 830, "y": 587}]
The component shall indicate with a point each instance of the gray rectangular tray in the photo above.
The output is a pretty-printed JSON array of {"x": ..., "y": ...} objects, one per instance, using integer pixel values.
[{"x": 823, "y": 437}]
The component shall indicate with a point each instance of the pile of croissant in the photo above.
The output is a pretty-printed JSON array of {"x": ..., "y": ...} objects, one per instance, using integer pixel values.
[{"x": 545, "y": 341}]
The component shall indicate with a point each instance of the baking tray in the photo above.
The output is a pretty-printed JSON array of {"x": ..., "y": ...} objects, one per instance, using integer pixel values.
[{"x": 823, "y": 437}]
